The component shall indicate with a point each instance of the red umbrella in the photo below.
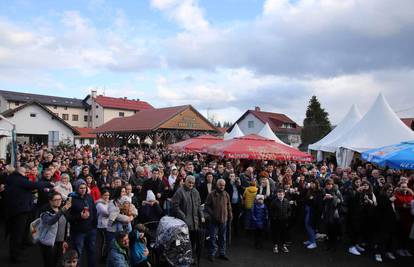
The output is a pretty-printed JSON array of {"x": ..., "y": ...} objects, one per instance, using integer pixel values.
[
  {"x": 195, "y": 144},
  {"x": 256, "y": 147}
]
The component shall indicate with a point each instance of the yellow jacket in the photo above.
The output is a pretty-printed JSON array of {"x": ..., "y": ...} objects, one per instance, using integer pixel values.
[{"x": 249, "y": 196}]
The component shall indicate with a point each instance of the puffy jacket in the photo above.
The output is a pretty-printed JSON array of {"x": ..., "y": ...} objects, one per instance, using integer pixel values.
[
  {"x": 280, "y": 210},
  {"x": 103, "y": 213},
  {"x": 116, "y": 220},
  {"x": 117, "y": 256},
  {"x": 187, "y": 207},
  {"x": 259, "y": 216},
  {"x": 249, "y": 196},
  {"x": 51, "y": 222}
]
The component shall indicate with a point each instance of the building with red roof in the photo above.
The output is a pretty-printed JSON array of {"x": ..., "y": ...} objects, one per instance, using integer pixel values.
[
  {"x": 86, "y": 137},
  {"x": 252, "y": 121},
  {"x": 105, "y": 108},
  {"x": 168, "y": 124}
]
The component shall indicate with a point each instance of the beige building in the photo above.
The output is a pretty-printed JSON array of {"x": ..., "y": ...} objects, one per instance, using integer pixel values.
[{"x": 90, "y": 112}]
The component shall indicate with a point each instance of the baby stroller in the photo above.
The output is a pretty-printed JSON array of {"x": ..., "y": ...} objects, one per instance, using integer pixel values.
[{"x": 173, "y": 242}]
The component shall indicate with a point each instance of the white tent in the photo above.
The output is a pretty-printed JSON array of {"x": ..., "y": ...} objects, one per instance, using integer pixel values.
[
  {"x": 325, "y": 144},
  {"x": 235, "y": 132},
  {"x": 379, "y": 127},
  {"x": 5, "y": 139},
  {"x": 267, "y": 132}
]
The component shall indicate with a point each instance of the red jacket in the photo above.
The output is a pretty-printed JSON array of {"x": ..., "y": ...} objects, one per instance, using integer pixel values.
[
  {"x": 404, "y": 212},
  {"x": 95, "y": 193}
]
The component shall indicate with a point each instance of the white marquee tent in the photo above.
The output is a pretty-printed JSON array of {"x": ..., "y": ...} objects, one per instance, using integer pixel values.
[
  {"x": 267, "y": 132},
  {"x": 235, "y": 132},
  {"x": 325, "y": 144},
  {"x": 379, "y": 127}
]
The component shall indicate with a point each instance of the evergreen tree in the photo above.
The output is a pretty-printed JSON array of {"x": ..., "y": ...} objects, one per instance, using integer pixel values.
[{"x": 316, "y": 124}]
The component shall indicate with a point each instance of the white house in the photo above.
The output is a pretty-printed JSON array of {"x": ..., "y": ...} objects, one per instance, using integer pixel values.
[
  {"x": 253, "y": 121},
  {"x": 35, "y": 123}
]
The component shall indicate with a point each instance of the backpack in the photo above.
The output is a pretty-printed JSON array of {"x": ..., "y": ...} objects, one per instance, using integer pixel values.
[{"x": 35, "y": 230}]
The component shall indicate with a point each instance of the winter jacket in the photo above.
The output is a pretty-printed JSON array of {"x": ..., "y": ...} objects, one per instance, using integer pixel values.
[
  {"x": 280, "y": 210},
  {"x": 103, "y": 213},
  {"x": 230, "y": 190},
  {"x": 116, "y": 218},
  {"x": 117, "y": 256},
  {"x": 386, "y": 215},
  {"x": 137, "y": 249},
  {"x": 148, "y": 213},
  {"x": 331, "y": 206},
  {"x": 95, "y": 193},
  {"x": 259, "y": 216},
  {"x": 314, "y": 199},
  {"x": 249, "y": 196},
  {"x": 405, "y": 216},
  {"x": 78, "y": 204},
  {"x": 53, "y": 227},
  {"x": 186, "y": 206},
  {"x": 18, "y": 194},
  {"x": 218, "y": 206}
]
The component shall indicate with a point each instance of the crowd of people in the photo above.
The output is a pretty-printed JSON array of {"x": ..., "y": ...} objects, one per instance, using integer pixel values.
[{"x": 118, "y": 194}]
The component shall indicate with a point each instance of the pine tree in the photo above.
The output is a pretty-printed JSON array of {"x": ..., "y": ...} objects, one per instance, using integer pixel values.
[{"x": 316, "y": 124}]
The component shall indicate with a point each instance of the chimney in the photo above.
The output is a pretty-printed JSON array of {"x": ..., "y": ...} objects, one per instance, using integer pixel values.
[
  {"x": 93, "y": 93},
  {"x": 256, "y": 108}
]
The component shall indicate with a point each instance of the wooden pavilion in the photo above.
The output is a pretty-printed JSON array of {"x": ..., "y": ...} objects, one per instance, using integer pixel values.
[{"x": 162, "y": 125}]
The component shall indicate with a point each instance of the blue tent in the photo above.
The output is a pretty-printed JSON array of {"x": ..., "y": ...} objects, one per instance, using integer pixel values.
[{"x": 399, "y": 156}]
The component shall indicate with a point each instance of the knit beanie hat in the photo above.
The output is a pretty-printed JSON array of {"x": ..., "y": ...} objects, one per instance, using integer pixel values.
[
  {"x": 150, "y": 195},
  {"x": 123, "y": 200},
  {"x": 259, "y": 197}
]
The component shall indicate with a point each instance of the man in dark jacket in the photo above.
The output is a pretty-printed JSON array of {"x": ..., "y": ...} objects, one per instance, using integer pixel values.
[
  {"x": 83, "y": 221},
  {"x": 154, "y": 184},
  {"x": 19, "y": 207},
  {"x": 280, "y": 212},
  {"x": 218, "y": 206},
  {"x": 186, "y": 205}
]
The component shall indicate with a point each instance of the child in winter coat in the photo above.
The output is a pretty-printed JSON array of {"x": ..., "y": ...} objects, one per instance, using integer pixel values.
[
  {"x": 139, "y": 250},
  {"x": 248, "y": 201},
  {"x": 259, "y": 220}
]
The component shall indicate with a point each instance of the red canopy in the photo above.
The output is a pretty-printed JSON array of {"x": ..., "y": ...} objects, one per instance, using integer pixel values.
[
  {"x": 256, "y": 147},
  {"x": 195, "y": 144}
]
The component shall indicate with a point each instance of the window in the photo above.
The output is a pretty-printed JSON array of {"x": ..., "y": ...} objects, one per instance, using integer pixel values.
[
  {"x": 121, "y": 114},
  {"x": 75, "y": 117},
  {"x": 57, "y": 114},
  {"x": 250, "y": 124},
  {"x": 65, "y": 108},
  {"x": 33, "y": 115},
  {"x": 65, "y": 117},
  {"x": 96, "y": 116},
  {"x": 91, "y": 141},
  {"x": 82, "y": 141},
  {"x": 17, "y": 103},
  {"x": 97, "y": 106},
  {"x": 55, "y": 107},
  {"x": 86, "y": 110},
  {"x": 85, "y": 118}
]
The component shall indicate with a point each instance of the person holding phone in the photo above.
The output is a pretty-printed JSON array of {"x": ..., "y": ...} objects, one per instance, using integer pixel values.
[{"x": 83, "y": 221}]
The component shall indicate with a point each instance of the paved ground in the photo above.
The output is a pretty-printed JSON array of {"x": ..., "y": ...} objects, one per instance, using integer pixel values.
[{"x": 242, "y": 254}]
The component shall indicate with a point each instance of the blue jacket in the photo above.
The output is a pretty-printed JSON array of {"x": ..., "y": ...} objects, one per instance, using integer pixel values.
[
  {"x": 117, "y": 257},
  {"x": 137, "y": 250},
  {"x": 259, "y": 216},
  {"x": 18, "y": 194},
  {"x": 77, "y": 224}
]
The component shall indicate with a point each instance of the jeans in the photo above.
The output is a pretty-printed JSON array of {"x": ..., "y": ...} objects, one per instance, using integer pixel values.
[
  {"x": 221, "y": 228},
  {"x": 308, "y": 225},
  {"x": 89, "y": 240}
]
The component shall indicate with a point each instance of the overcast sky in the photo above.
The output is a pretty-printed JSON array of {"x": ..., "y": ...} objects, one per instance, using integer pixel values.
[{"x": 220, "y": 56}]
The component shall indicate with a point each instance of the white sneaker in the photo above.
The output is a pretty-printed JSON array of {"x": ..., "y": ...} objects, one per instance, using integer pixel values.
[
  {"x": 312, "y": 246},
  {"x": 407, "y": 253},
  {"x": 390, "y": 256},
  {"x": 359, "y": 248},
  {"x": 378, "y": 257},
  {"x": 354, "y": 251},
  {"x": 275, "y": 249},
  {"x": 307, "y": 243}
]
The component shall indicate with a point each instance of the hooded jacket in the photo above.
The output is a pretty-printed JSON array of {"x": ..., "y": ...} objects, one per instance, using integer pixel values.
[{"x": 249, "y": 196}]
